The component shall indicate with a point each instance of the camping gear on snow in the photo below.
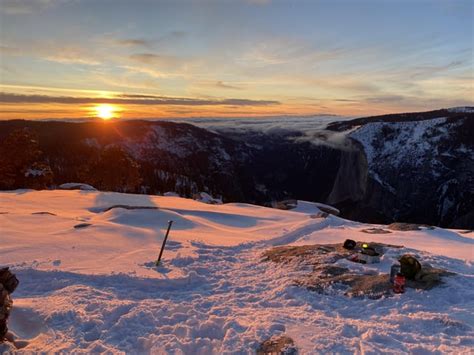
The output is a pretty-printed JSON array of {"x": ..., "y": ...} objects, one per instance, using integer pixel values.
[
  {"x": 369, "y": 255},
  {"x": 8, "y": 280},
  {"x": 362, "y": 258},
  {"x": 394, "y": 270},
  {"x": 368, "y": 259},
  {"x": 399, "y": 284},
  {"x": 409, "y": 266},
  {"x": 321, "y": 268},
  {"x": 349, "y": 244},
  {"x": 355, "y": 258},
  {"x": 369, "y": 250},
  {"x": 164, "y": 243},
  {"x": 366, "y": 254}
]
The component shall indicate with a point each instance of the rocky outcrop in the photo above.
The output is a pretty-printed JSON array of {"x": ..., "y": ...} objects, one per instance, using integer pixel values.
[{"x": 281, "y": 345}]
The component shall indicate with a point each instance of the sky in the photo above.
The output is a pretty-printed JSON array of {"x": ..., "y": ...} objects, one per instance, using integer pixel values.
[{"x": 240, "y": 58}]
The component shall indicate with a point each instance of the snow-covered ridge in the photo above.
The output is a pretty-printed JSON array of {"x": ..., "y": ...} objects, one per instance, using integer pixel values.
[
  {"x": 461, "y": 109},
  {"x": 95, "y": 288},
  {"x": 181, "y": 145},
  {"x": 402, "y": 141}
]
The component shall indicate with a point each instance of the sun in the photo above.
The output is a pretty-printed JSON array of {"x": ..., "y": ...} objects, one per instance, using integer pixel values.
[{"x": 106, "y": 112}]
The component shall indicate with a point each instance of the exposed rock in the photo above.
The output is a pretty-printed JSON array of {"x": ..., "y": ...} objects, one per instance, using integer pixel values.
[
  {"x": 375, "y": 231},
  {"x": 281, "y": 345},
  {"x": 312, "y": 254},
  {"x": 371, "y": 286},
  {"x": 428, "y": 277},
  {"x": 354, "y": 285},
  {"x": 325, "y": 277},
  {"x": 204, "y": 197},
  {"x": 285, "y": 204},
  {"x": 317, "y": 254},
  {"x": 405, "y": 226},
  {"x": 327, "y": 209},
  {"x": 319, "y": 215}
]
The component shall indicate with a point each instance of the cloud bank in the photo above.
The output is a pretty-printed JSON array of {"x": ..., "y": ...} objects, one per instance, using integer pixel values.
[{"x": 131, "y": 99}]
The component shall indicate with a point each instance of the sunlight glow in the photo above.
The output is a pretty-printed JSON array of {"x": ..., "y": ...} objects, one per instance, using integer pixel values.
[{"x": 106, "y": 112}]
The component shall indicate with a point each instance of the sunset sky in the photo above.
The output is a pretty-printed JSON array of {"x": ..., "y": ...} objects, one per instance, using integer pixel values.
[{"x": 143, "y": 58}]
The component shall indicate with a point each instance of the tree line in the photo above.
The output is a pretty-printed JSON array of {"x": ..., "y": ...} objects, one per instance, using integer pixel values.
[{"x": 24, "y": 165}]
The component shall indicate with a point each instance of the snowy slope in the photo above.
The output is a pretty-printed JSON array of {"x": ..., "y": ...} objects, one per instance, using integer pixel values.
[
  {"x": 94, "y": 288},
  {"x": 406, "y": 144}
]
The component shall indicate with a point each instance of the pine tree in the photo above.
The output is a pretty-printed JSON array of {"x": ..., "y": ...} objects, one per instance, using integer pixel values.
[
  {"x": 21, "y": 162},
  {"x": 113, "y": 170}
]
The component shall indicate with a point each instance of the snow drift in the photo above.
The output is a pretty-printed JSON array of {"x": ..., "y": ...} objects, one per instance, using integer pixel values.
[{"x": 96, "y": 289}]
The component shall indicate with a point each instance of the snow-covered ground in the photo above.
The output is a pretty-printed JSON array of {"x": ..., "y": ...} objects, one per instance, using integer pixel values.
[{"x": 88, "y": 281}]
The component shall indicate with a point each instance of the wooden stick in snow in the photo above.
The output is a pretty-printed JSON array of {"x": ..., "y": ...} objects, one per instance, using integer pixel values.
[{"x": 164, "y": 243}]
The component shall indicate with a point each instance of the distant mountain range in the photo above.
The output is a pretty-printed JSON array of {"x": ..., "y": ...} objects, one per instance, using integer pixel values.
[{"x": 413, "y": 167}]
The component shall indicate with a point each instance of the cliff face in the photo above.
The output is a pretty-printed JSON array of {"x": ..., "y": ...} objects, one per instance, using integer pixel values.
[
  {"x": 351, "y": 179},
  {"x": 417, "y": 169}
]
